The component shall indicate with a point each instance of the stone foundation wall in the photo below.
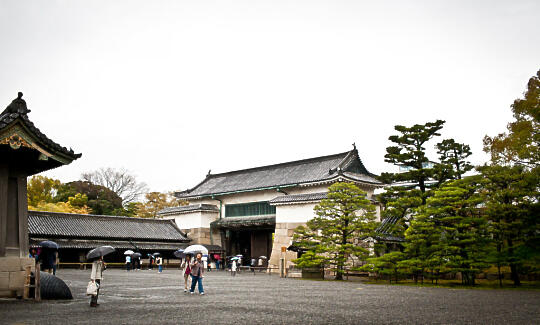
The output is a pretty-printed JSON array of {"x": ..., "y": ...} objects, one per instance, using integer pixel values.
[
  {"x": 12, "y": 275},
  {"x": 202, "y": 236},
  {"x": 283, "y": 238}
]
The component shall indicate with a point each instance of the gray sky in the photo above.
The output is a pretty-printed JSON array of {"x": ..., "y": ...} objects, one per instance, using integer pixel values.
[{"x": 171, "y": 89}]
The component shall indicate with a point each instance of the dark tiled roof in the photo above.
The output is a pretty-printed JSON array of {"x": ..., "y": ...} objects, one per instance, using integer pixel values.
[
  {"x": 214, "y": 248},
  {"x": 118, "y": 244},
  {"x": 384, "y": 231},
  {"x": 238, "y": 222},
  {"x": 298, "y": 198},
  {"x": 17, "y": 111},
  {"x": 326, "y": 168},
  {"x": 52, "y": 224},
  {"x": 189, "y": 208}
]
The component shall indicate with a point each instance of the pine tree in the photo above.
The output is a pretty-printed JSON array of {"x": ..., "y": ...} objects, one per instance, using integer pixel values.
[
  {"x": 409, "y": 152},
  {"x": 512, "y": 207},
  {"x": 452, "y": 160},
  {"x": 342, "y": 220},
  {"x": 449, "y": 233}
]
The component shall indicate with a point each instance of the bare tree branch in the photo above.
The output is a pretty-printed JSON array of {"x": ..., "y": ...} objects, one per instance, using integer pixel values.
[{"x": 119, "y": 181}]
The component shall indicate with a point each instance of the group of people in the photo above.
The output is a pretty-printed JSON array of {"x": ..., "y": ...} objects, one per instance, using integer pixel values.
[
  {"x": 133, "y": 263},
  {"x": 193, "y": 269},
  {"x": 155, "y": 260}
]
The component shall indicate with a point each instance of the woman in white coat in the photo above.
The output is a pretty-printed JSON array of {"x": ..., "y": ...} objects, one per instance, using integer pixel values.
[
  {"x": 186, "y": 270},
  {"x": 96, "y": 276},
  {"x": 233, "y": 268}
]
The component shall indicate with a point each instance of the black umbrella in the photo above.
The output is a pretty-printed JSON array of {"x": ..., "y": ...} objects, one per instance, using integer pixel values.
[
  {"x": 99, "y": 251},
  {"x": 49, "y": 244},
  {"x": 179, "y": 253},
  {"x": 136, "y": 255},
  {"x": 156, "y": 254}
]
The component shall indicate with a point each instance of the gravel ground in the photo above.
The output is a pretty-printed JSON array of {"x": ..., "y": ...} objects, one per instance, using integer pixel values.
[{"x": 146, "y": 297}]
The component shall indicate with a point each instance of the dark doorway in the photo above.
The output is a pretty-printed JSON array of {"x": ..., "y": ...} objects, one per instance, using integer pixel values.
[{"x": 251, "y": 243}]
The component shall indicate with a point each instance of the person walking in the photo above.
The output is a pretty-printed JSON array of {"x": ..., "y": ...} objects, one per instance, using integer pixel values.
[
  {"x": 128, "y": 262},
  {"x": 150, "y": 262},
  {"x": 47, "y": 259},
  {"x": 186, "y": 269},
  {"x": 98, "y": 266},
  {"x": 159, "y": 262},
  {"x": 233, "y": 268},
  {"x": 197, "y": 274},
  {"x": 217, "y": 261},
  {"x": 56, "y": 262}
]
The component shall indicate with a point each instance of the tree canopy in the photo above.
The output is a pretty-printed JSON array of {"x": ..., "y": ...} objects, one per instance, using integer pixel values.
[
  {"x": 332, "y": 236},
  {"x": 521, "y": 144}
]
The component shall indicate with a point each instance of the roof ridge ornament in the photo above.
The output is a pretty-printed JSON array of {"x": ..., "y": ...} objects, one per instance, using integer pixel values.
[{"x": 17, "y": 106}]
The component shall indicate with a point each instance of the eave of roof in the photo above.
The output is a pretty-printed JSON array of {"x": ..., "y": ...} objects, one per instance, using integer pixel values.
[
  {"x": 237, "y": 222},
  {"x": 298, "y": 198},
  {"x": 16, "y": 113},
  {"x": 73, "y": 243},
  {"x": 188, "y": 209}
]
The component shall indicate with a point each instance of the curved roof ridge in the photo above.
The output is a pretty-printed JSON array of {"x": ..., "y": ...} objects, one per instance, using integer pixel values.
[
  {"x": 73, "y": 215},
  {"x": 280, "y": 164}
]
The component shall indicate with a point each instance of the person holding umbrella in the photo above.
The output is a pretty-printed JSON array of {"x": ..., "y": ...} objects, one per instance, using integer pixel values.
[
  {"x": 47, "y": 257},
  {"x": 98, "y": 266},
  {"x": 233, "y": 266},
  {"x": 197, "y": 274},
  {"x": 159, "y": 262}
]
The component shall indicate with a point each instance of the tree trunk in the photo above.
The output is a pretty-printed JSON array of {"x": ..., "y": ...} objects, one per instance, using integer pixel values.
[
  {"x": 499, "y": 273},
  {"x": 513, "y": 265}
]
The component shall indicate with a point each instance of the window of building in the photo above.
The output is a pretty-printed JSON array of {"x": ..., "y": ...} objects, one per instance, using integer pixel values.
[{"x": 249, "y": 209}]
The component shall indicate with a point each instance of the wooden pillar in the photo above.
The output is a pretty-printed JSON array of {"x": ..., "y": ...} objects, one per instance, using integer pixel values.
[
  {"x": 13, "y": 213},
  {"x": 4, "y": 175},
  {"x": 23, "y": 215}
]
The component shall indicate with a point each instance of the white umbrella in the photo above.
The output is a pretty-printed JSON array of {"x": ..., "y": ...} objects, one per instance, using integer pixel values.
[
  {"x": 194, "y": 249},
  {"x": 129, "y": 252}
]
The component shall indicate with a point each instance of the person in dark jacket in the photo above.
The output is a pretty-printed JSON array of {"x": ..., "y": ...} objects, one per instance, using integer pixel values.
[
  {"x": 47, "y": 259},
  {"x": 197, "y": 274}
]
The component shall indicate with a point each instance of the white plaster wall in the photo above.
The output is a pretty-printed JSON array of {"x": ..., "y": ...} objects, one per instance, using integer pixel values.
[
  {"x": 188, "y": 220},
  {"x": 194, "y": 219},
  {"x": 207, "y": 218},
  {"x": 295, "y": 213}
]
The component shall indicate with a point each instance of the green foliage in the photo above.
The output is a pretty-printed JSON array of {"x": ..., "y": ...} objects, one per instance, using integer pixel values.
[
  {"x": 310, "y": 259},
  {"x": 452, "y": 157},
  {"x": 43, "y": 196},
  {"x": 41, "y": 189},
  {"x": 343, "y": 219},
  {"x": 400, "y": 204},
  {"x": 101, "y": 200},
  {"x": 409, "y": 151},
  {"x": 521, "y": 144},
  {"x": 512, "y": 208},
  {"x": 449, "y": 232},
  {"x": 388, "y": 264},
  {"x": 155, "y": 202}
]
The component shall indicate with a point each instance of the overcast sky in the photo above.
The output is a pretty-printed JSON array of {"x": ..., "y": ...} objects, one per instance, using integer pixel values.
[{"x": 171, "y": 89}]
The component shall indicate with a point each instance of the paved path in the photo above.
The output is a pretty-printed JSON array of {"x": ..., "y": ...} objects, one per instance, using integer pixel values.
[{"x": 146, "y": 297}]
